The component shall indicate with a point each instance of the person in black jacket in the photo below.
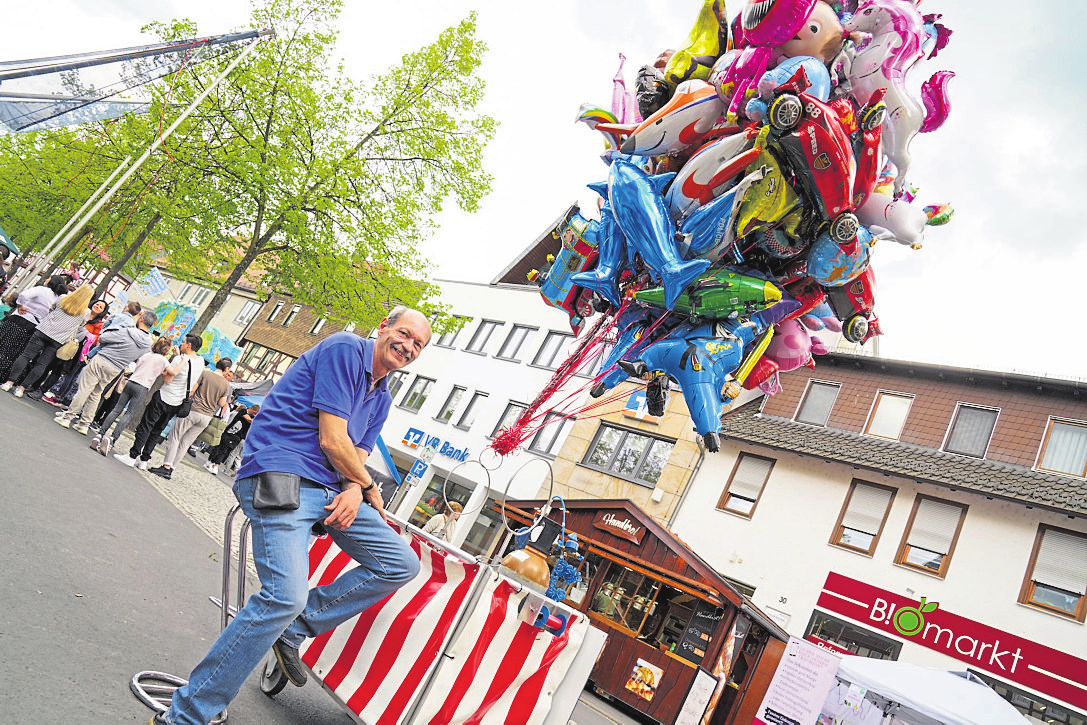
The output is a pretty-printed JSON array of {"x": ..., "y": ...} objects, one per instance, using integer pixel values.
[{"x": 233, "y": 435}]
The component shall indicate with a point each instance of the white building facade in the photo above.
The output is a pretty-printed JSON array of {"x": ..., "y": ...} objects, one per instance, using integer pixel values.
[
  {"x": 465, "y": 387},
  {"x": 869, "y": 491}
]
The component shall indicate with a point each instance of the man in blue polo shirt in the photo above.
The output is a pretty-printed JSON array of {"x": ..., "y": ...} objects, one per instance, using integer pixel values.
[{"x": 318, "y": 424}]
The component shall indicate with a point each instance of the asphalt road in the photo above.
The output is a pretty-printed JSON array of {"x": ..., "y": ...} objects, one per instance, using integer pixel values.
[
  {"x": 101, "y": 576},
  {"x": 106, "y": 571}
]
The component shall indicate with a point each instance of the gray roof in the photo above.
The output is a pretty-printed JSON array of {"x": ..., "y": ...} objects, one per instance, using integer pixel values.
[{"x": 928, "y": 465}]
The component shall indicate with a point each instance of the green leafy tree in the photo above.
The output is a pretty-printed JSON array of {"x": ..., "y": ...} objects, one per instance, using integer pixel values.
[{"x": 321, "y": 186}]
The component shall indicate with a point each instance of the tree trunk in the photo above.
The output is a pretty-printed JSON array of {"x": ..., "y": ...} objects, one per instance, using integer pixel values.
[
  {"x": 68, "y": 249},
  {"x": 129, "y": 251},
  {"x": 226, "y": 288}
]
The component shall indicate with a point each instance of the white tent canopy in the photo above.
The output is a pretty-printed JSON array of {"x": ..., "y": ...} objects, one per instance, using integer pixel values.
[{"x": 925, "y": 696}]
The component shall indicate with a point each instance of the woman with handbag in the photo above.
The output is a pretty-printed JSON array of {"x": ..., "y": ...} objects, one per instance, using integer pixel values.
[
  {"x": 133, "y": 395},
  {"x": 58, "y": 332},
  {"x": 209, "y": 397},
  {"x": 62, "y": 365}
]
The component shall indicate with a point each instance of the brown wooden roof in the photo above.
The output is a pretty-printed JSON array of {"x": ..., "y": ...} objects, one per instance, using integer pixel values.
[{"x": 534, "y": 255}]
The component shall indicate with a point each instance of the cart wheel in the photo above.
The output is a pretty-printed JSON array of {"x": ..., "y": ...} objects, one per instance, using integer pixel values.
[{"x": 272, "y": 678}]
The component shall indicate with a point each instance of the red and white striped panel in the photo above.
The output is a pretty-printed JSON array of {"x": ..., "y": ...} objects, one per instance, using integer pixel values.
[
  {"x": 376, "y": 663},
  {"x": 500, "y": 669}
]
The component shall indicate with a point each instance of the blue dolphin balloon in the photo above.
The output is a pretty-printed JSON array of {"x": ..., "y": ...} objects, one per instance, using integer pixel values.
[
  {"x": 701, "y": 358},
  {"x": 643, "y": 216},
  {"x": 608, "y": 238}
]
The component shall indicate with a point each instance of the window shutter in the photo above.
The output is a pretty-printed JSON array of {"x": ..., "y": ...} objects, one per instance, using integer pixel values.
[
  {"x": 1066, "y": 449},
  {"x": 889, "y": 415},
  {"x": 972, "y": 430},
  {"x": 934, "y": 526},
  {"x": 867, "y": 506},
  {"x": 1062, "y": 561},
  {"x": 818, "y": 403},
  {"x": 749, "y": 477}
]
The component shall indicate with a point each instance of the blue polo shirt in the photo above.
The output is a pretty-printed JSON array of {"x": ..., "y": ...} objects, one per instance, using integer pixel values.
[{"x": 333, "y": 376}]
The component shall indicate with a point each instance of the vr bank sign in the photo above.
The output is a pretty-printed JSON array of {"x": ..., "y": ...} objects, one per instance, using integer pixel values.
[
  {"x": 1007, "y": 655},
  {"x": 415, "y": 438}
]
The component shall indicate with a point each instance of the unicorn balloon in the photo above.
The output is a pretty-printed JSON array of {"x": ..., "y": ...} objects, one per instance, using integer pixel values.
[{"x": 898, "y": 41}]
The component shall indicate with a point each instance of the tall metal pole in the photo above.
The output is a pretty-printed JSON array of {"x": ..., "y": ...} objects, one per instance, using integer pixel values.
[
  {"x": 28, "y": 273},
  {"x": 75, "y": 228}
]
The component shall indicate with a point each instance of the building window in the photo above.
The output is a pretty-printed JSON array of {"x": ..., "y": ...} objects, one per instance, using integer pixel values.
[
  {"x": 185, "y": 288},
  {"x": 1064, "y": 448},
  {"x": 199, "y": 296},
  {"x": 266, "y": 359},
  {"x": 451, "y": 404},
  {"x": 482, "y": 336},
  {"x": 626, "y": 597},
  {"x": 624, "y": 453},
  {"x": 291, "y": 315},
  {"x": 547, "y": 438},
  {"x": 863, "y": 515},
  {"x": 551, "y": 352},
  {"x": 971, "y": 430},
  {"x": 449, "y": 339},
  {"x": 317, "y": 326},
  {"x": 509, "y": 416},
  {"x": 841, "y": 634},
  {"x": 417, "y": 393},
  {"x": 931, "y": 533},
  {"x": 1056, "y": 580},
  {"x": 1038, "y": 710},
  {"x": 511, "y": 348},
  {"x": 275, "y": 311},
  {"x": 395, "y": 382},
  {"x": 817, "y": 403},
  {"x": 469, "y": 415},
  {"x": 350, "y": 327},
  {"x": 248, "y": 312},
  {"x": 888, "y": 415},
  {"x": 745, "y": 485},
  {"x": 253, "y": 350},
  {"x": 434, "y": 498}
]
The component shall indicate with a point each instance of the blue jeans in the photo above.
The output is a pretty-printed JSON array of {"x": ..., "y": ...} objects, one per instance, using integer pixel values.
[{"x": 285, "y": 608}]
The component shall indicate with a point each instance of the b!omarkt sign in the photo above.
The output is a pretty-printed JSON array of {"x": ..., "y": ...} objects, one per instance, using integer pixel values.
[{"x": 925, "y": 623}]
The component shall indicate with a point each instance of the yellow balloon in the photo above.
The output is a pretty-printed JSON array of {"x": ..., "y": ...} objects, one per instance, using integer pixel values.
[
  {"x": 707, "y": 40},
  {"x": 769, "y": 199}
]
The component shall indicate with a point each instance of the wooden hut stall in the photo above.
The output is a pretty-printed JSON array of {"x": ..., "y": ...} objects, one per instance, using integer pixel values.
[{"x": 682, "y": 641}]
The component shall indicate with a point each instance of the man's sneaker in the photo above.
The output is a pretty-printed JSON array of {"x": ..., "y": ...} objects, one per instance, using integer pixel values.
[
  {"x": 142, "y": 465},
  {"x": 192, "y": 451},
  {"x": 290, "y": 663},
  {"x": 125, "y": 459},
  {"x": 211, "y": 468},
  {"x": 34, "y": 395},
  {"x": 63, "y": 421},
  {"x": 95, "y": 426},
  {"x": 18, "y": 392},
  {"x": 48, "y": 397},
  {"x": 80, "y": 429},
  {"x": 54, "y": 401},
  {"x": 161, "y": 472},
  {"x": 6, "y": 386},
  {"x": 158, "y": 719},
  {"x": 105, "y": 445},
  {"x": 95, "y": 441}
]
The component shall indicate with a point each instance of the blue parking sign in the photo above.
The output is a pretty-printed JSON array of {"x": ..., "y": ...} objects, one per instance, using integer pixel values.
[{"x": 418, "y": 468}]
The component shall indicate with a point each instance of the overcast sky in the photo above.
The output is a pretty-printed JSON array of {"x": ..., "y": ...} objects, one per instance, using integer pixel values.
[{"x": 997, "y": 288}]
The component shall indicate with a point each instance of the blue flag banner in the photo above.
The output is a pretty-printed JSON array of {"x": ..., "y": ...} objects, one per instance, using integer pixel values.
[{"x": 152, "y": 283}]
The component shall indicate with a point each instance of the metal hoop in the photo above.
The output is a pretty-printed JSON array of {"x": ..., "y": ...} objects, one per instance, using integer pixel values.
[
  {"x": 498, "y": 460},
  {"x": 550, "y": 491},
  {"x": 445, "y": 483}
]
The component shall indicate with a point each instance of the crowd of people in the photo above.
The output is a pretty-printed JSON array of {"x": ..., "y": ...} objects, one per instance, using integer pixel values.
[{"x": 107, "y": 372}]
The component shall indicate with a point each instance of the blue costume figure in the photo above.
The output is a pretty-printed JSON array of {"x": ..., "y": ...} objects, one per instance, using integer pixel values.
[
  {"x": 702, "y": 359},
  {"x": 631, "y": 324}
]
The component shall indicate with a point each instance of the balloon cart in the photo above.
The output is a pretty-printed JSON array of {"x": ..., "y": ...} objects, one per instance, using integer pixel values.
[{"x": 462, "y": 642}]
